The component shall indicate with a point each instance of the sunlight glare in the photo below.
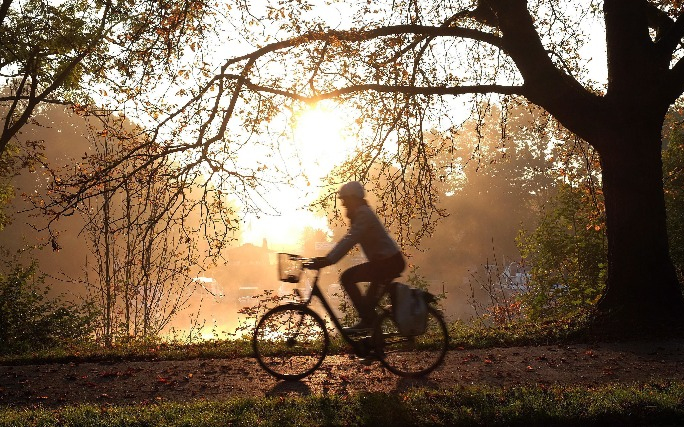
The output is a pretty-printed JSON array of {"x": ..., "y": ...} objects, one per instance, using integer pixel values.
[
  {"x": 319, "y": 143},
  {"x": 319, "y": 136}
]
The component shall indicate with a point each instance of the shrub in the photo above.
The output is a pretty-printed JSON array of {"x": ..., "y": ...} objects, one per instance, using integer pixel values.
[
  {"x": 567, "y": 253},
  {"x": 673, "y": 181},
  {"x": 30, "y": 321}
]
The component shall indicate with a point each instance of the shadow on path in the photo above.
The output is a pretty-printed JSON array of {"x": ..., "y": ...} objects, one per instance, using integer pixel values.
[{"x": 289, "y": 388}]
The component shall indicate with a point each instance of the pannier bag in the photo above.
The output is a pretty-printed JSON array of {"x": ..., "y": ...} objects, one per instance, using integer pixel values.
[{"x": 409, "y": 306}]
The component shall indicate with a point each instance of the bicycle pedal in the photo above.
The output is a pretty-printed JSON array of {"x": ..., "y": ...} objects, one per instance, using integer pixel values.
[{"x": 366, "y": 361}]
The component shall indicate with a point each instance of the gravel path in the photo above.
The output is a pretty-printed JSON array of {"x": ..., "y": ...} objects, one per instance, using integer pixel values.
[{"x": 213, "y": 379}]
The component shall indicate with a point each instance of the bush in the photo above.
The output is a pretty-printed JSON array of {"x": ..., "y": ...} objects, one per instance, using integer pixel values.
[
  {"x": 673, "y": 181},
  {"x": 31, "y": 321},
  {"x": 567, "y": 253}
]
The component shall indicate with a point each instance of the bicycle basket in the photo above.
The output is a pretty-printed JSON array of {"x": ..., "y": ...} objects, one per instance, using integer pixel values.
[{"x": 289, "y": 267}]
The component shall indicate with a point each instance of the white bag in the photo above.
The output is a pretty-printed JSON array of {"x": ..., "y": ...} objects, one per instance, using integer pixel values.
[{"x": 410, "y": 309}]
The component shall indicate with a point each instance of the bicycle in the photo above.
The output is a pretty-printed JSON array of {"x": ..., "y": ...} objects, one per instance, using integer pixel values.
[{"x": 291, "y": 340}]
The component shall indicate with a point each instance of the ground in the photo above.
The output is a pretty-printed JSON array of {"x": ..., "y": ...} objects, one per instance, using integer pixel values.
[{"x": 50, "y": 385}]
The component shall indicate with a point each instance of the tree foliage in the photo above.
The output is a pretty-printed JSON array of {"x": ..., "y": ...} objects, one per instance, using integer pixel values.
[
  {"x": 77, "y": 51},
  {"x": 673, "y": 166},
  {"x": 566, "y": 255}
]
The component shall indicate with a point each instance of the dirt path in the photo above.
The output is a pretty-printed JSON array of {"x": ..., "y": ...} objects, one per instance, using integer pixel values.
[{"x": 148, "y": 382}]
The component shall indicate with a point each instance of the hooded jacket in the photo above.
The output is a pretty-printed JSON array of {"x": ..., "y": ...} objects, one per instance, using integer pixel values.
[{"x": 366, "y": 230}]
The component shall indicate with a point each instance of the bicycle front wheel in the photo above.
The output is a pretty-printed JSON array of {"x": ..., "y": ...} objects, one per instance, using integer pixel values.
[
  {"x": 413, "y": 356},
  {"x": 290, "y": 341}
]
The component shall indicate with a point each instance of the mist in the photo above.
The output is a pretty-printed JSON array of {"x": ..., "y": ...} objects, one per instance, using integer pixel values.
[{"x": 488, "y": 202}]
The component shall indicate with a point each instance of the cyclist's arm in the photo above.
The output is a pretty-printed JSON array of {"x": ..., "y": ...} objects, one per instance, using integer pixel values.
[{"x": 353, "y": 236}]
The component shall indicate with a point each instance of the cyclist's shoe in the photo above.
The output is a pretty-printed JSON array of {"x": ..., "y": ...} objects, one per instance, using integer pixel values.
[
  {"x": 368, "y": 360},
  {"x": 359, "y": 328}
]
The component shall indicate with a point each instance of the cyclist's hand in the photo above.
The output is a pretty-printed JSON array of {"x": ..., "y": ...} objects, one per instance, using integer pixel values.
[{"x": 318, "y": 263}]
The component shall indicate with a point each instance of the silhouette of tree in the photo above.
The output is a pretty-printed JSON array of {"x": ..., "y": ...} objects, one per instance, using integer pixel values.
[{"x": 400, "y": 66}]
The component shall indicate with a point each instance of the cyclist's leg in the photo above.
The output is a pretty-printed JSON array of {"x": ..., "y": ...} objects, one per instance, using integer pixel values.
[
  {"x": 349, "y": 281},
  {"x": 377, "y": 273},
  {"x": 385, "y": 270}
]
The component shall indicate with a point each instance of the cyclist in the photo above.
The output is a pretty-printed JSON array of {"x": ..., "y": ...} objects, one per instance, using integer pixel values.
[{"x": 385, "y": 260}]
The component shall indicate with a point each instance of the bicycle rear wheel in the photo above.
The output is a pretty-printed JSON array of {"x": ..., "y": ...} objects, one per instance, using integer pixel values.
[
  {"x": 411, "y": 356},
  {"x": 290, "y": 341}
]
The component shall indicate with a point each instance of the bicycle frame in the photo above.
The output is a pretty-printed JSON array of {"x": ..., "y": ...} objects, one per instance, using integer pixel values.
[{"x": 362, "y": 346}]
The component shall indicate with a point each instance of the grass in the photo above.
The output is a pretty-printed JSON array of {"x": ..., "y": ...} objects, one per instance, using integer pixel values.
[
  {"x": 655, "y": 404},
  {"x": 461, "y": 335},
  {"x": 620, "y": 404}
]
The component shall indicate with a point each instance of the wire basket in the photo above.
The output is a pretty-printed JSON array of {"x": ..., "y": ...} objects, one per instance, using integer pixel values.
[{"x": 289, "y": 267}]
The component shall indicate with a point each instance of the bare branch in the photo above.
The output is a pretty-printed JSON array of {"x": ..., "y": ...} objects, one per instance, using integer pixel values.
[{"x": 335, "y": 36}]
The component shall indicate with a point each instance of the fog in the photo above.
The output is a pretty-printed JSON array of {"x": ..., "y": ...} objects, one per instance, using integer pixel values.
[{"x": 492, "y": 200}]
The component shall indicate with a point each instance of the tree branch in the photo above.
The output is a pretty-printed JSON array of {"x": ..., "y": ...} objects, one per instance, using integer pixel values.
[
  {"x": 408, "y": 90},
  {"x": 361, "y": 35},
  {"x": 672, "y": 37}
]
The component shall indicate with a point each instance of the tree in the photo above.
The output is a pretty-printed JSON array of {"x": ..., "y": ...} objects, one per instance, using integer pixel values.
[
  {"x": 401, "y": 62},
  {"x": 143, "y": 248},
  {"x": 143, "y": 232},
  {"x": 72, "y": 52}
]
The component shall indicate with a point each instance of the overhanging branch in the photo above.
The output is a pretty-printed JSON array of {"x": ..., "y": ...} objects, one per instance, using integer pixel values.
[
  {"x": 421, "y": 90},
  {"x": 335, "y": 36},
  {"x": 407, "y": 90}
]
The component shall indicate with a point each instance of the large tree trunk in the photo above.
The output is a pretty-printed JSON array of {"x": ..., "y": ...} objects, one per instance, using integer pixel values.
[{"x": 642, "y": 287}]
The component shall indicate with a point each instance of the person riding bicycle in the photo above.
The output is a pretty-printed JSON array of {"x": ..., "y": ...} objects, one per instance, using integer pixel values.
[{"x": 385, "y": 260}]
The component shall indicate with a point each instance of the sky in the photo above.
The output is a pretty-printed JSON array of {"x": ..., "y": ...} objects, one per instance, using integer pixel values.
[{"x": 319, "y": 143}]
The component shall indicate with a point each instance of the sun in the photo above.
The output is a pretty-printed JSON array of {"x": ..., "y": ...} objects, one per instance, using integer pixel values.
[
  {"x": 321, "y": 139},
  {"x": 320, "y": 142}
]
